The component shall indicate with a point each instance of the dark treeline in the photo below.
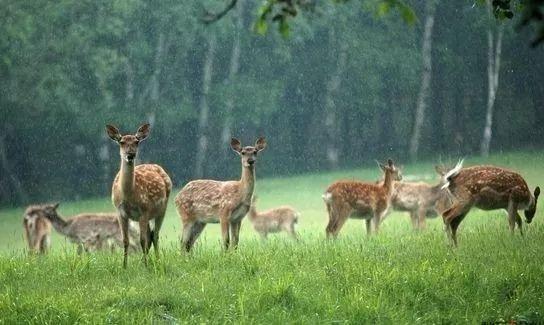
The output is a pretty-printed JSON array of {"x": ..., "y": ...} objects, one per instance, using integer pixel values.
[{"x": 342, "y": 90}]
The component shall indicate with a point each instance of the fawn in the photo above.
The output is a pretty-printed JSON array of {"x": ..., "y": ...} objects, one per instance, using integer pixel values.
[
  {"x": 208, "y": 201},
  {"x": 420, "y": 199},
  {"x": 487, "y": 188},
  {"x": 90, "y": 231},
  {"x": 139, "y": 193},
  {"x": 360, "y": 200},
  {"x": 275, "y": 220},
  {"x": 37, "y": 229}
]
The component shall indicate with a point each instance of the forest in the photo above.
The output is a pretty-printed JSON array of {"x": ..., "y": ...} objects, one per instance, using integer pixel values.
[{"x": 343, "y": 86}]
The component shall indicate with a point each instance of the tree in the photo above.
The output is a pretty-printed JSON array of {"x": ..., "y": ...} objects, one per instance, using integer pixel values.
[
  {"x": 424, "y": 92},
  {"x": 494, "y": 47}
]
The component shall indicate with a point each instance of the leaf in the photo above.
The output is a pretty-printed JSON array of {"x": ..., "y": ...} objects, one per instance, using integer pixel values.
[
  {"x": 284, "y": 28},
  {"x": 261, "y": 26},
  {"x": 383, "y": 8}
]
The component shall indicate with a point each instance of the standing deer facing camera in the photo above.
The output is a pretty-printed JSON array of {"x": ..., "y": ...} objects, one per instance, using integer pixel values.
[
  {"x": 208, "y": 201},
  {"x": 139, "y": 193},
  {"x": 487, "y": 188},
  {"x": 359, "y": 200},
  {"x": 37, "y": 228}
]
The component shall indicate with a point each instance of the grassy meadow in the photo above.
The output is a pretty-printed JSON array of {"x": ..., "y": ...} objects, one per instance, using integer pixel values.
[{"x": 398, "y": 276}]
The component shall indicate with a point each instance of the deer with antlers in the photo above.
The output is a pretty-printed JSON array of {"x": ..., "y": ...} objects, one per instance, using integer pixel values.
[
  {"x": 37, "y": 229},
  {"x": 275, "y": 220},
  {"x": 360, "y": 200},
  {"x": 207, "y": 201},
  {"x": 487, "y": 188},
  {"x": 139, "y": 193}
]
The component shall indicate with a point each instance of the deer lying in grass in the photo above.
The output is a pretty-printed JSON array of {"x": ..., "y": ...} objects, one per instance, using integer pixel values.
[
  {"x": 487, "y": 188},
  {"x": 139, "y": 193},
  {"x": 420, "y": 199},
  {"x": 90, "y": 231},
  {"x": 359, "y": 200},
  {"x": 208, "y": 201},
  {"x": 275, "y": 220},
  {"x": 37, "y": 229}
]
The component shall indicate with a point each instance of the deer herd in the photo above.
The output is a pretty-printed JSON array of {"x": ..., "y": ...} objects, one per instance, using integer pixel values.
[{"x": 140, "y": 194}]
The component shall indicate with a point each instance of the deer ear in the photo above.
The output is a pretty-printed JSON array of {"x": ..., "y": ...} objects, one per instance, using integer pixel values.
[
  {"x": 113, "y": 133},
  {"x": 537, "y": 192},
  {"x": 236, "y": 145},
  {"x": 382, "y": 167},
  {"x": 143, "y": 132},
  {"x": 260, "y": 144}
]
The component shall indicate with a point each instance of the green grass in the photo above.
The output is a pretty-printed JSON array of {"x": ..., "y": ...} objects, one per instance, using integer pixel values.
[{"x": 398, "y": 276}]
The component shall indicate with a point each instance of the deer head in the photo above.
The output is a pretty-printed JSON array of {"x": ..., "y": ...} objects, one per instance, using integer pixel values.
[
  {"x": 248, "y": 154},
  {"x": 391, "y": 169},
  {"x": 128, "y": 144},
  {"x": 530, "y": 212}
]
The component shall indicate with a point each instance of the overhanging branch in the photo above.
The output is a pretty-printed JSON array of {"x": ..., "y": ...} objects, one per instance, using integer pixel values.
[{"x": 210, "y": 17}]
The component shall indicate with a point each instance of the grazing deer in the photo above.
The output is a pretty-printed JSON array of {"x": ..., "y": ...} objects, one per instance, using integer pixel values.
[
  {"x": 140, "y": 193},
  {"x": 208, "y": 201},
  {"x": 487, "y": 188},
  {"x": 37, "y": 229},
  {"x": 90, "y": 231},
  {"x": 275, "y": 220},
  {"x": 420, "y": 199},
  {"x": 359, "y": 200}
]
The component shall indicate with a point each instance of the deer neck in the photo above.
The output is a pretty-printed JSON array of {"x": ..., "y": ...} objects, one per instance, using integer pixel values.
[
  {"x": 58, "y": 223},
  {"x": 247, "y": 183},
  {"x": 388, "y": 184},
  {"x": 127, "y": 179}
]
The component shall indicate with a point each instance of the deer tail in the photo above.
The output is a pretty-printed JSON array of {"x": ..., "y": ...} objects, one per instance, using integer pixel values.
[
  {"x": 327, "y": 197},
  {"x": 452, "y": 173}
]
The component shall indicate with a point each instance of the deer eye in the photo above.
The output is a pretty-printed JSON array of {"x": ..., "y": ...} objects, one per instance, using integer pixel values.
[{"x": 122, "y": 142}]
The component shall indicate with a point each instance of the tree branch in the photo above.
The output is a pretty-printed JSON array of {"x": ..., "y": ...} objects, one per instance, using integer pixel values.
[{"x": 210, "y": 17}]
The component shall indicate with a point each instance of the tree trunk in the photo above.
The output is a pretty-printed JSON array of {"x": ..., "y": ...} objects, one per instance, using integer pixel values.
[
  {"x": 332, "y": 125},
  {"x": 424, "y": 92},
  {"x": 493, "y": 66},
  {"x": 233, "y": 71},
  {"x": 16, "y": 184},
  {"x": 204, "y": 109}
]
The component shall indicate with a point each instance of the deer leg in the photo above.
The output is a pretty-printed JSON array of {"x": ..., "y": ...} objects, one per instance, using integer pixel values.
[
  {"x": 44, "y": 244},
  {"x": 422, "y": 213},
  {"x": 452, "y": 218},
  {"x": 186, "y": 236},
  {"x": 291, "y": 230},
  {"x": 235, "y": 231},
  {"x": 513, "y": 216},
  {"x": 368, "y": 223},
  {"x": 155, "y": 233},
  {"x": 144, "y": 237},
  {"x": 519, "y": 223},
  {"x": 195, "y": 233},
  {"x": 330, "y": 225},
  {"x": 123, "y": 223},
  {"x": 338, "y": 224},
  {"x": 225, "y": 232},
  {"x": 413, "y": 218}
]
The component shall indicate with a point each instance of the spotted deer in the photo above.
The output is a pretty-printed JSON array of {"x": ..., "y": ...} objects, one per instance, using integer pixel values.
[
  {"x": 360, "y": 200},
  {"x": 89, "y": 231},
  {"x": 275, "y": 220},
  {"x": 37, "y": 229},
  {"x": 487, "y": 188},
  {"x": 421, "y": 199},
  {"x": 139, "y": 193},
  {"x": 226, "y": 202}
]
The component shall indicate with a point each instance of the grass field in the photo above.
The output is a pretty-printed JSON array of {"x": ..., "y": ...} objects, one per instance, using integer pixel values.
[{"x": 398, "y": 276}]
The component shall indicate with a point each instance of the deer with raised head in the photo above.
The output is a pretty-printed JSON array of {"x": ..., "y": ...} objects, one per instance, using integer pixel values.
[
  {"x": 275, "y": 220},
  {"x": 140, "y": 193},
  {"x": 487, "y": 188},
  {"x": 360, "y": 200},
  {"x": 420, "y": 199},
  {"x": 226, "y": 202},
  {"x": 37, "y": 229},
  {"x": 90, "y": 231}
]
